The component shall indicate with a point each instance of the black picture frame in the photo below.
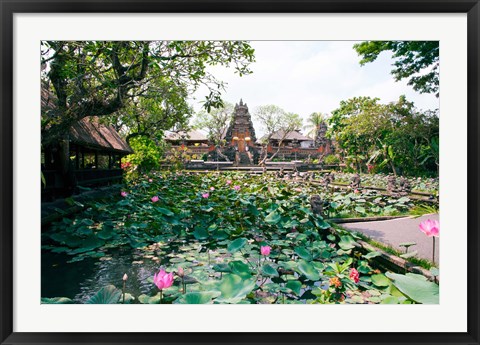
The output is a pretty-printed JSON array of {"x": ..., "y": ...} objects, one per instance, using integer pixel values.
[{"x": 10, "y": 7}]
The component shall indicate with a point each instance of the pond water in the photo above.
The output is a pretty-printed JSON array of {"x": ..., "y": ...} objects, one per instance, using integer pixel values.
[{"x": 81, "y": 280}]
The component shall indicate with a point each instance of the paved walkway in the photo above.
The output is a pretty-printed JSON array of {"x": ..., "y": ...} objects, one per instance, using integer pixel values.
[{"x": 396, "y": 231}]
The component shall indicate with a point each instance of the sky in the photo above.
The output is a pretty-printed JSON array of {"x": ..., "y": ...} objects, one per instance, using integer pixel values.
[{"x": 312, "y": 76}]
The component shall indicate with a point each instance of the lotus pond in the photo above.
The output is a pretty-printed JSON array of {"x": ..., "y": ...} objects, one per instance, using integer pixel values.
[{"x": 222, "y": 238}]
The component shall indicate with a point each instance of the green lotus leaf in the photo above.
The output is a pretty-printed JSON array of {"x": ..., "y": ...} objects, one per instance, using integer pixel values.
[
  {"x": 268, "y": 270},
  {"x": 128, "y": 299},
  {"x": 200, "y": 233},
  {"x": 416, "y": 287},
  {"x": 56, "y": 300},
  {"x": 346, "y": 242},
  {"x": 237, "y": 244},
  {"x": 106, "y": 295},
  {"x": 165, "y": 211},
  {"x": 240, "y": 268},
  {"x": 308, "y": 270},
  {"x": 295, "y": 286},
  {"x": 380, "y": 280},
  {"x": 233, "y": 288},
  {"x": 273, "y": 218},
  {"x": 225, "y": 268},
  {"x": 390, "y": 300},
  {"x": 372, "y": 255},
  {"x": 107, "y": 232},
  {"x": 201, "y": 297},
  {"x": 303, "y": 253},
  {"x": 144, "y": 299}
]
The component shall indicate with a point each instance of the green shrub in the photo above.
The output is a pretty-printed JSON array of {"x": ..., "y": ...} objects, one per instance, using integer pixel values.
[{"x": 331, "y": 159}]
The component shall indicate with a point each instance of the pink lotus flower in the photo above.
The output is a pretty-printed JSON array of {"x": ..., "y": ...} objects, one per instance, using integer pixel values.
[
  {"x": 150, "y": 180},
  {"x": 205, "y": 195},
  {"x": 180, "y": 272},
  {"x": 212, "y": 188},
  {"x": 430, "y": 227},
  {"x": 265, "y": 250},
  {"x": 237, "y": 188},
  {"x": 163, "y": 279},
  {"x": 125, "y": 277},
  {"x": 154, "y": 199},
  {"x": 229, "y": 181},
  {"x": 124, "y": 194},
  {"x": 354, "y": 275}
]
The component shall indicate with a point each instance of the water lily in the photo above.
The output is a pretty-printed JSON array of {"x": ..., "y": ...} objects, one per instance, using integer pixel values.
[
  {"x": 205, "y": 195},
  {"x": 150, "y": 180},
  {"x": 229, "y": 181},
  {"x": 265, "y": 250},
  {"x": 431, "y": 228},
  {"x": 354, "y": 275},
  {"x": 237, "y": 188},
  {"x": 212, "y": 188},
  {"x": 155, "y": 198},
  {"x": 124, "y": 194},
  {"x": 163, "y": 280}
]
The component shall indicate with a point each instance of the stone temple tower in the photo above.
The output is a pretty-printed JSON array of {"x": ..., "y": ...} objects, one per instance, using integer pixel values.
[{"x": 240, "y": 132}]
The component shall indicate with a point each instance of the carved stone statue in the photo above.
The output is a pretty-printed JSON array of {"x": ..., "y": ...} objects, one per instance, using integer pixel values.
[
  {"x": 316, "y": 203},
  {"x": 404, "y": 187},
  {"x": 328, "y": 179},
  {"x": 355, "y": 182}
]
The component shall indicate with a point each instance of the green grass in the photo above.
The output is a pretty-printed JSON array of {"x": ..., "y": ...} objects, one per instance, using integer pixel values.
[{"x": 427, "y": 264}]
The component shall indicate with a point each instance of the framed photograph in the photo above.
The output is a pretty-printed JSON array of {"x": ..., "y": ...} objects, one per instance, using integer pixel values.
[{"x": 239, "y": 172}]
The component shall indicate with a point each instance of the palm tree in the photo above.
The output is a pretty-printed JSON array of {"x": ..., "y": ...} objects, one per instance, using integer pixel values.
[{"x": 314, "y": 121}]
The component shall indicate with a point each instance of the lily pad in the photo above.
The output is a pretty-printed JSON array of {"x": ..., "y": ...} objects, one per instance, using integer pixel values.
[
  {"x": 268, "y": 270},
  {"x": 106, "y": 295},
  {"x": 416, "y": 287},
  {"x": 237, "y": 244},
  {"x": 234, "y": 288},
  {"x": 56, "y": 300},
  {"x": 204, "y": 297},
  {"x": 308, "y": 270}
]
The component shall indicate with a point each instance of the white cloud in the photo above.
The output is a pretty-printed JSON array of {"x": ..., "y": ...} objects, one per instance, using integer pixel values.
[{"x": 308, "y": 76}]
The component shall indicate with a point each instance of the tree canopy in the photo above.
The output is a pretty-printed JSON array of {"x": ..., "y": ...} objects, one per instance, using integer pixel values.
[
  {"x": 417, "y": 60},
  {"x": 214, "y": 121},
  {"x": 274, "y": 119},
  {"x": 393, "y": 136},
  {"x": 314, "y": 121},
  {"x": 102, "y": 78}
]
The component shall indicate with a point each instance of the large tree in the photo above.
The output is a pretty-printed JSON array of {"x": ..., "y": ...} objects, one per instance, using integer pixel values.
[
  {"x": 215, "y": 122},
  {"x": 274, "y": 119},
  {"x": 314, "y": 123},
  {"x": 418, "y": 61},
  {"x": 102, "y": 77},
  {"x": 394, "y": 136},
  {"x": 163, "y": 107}
]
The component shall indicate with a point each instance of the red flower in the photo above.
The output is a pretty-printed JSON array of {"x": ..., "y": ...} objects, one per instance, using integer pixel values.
[{"x": 354, "y": 275}]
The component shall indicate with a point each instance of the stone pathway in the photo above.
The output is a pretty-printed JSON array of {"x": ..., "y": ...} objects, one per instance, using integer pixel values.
[{"x": 396, "y": 231}]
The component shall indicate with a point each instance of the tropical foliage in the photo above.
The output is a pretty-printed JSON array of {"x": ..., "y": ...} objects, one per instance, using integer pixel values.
[{"x": 231, "y": 238}]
